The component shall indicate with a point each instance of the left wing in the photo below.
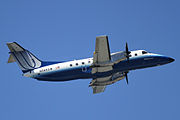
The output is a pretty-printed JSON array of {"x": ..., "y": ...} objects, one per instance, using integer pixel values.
[
  {"x": 102, "y": 51},
  {"x": 101, "y": 55}
]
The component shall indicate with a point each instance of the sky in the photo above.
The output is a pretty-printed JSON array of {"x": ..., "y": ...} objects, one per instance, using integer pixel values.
[{"x": 61, "y": 30}]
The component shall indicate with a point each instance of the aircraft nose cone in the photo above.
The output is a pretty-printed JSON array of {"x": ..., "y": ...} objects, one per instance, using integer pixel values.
[{"x": 170, "y": 59}]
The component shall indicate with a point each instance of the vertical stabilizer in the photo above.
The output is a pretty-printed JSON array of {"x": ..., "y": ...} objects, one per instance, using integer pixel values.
[{"x": 26, "y": 60}]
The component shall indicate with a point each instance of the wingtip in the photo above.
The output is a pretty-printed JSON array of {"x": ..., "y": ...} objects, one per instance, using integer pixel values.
[{"x": 102, "y": 36}]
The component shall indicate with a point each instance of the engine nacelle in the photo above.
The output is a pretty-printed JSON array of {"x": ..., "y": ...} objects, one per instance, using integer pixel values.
[{"x": 118, "y": 56}]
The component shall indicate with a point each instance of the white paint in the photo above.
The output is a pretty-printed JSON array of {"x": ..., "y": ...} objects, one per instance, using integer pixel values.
[{"x": 66, "y": 65}]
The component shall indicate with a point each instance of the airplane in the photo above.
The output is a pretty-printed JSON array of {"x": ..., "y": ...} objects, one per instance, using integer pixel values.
[{"x": 104, "y": 68}]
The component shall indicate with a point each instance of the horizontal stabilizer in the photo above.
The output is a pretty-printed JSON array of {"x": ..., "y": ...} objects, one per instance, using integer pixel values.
[
  {"x": 14, "y": 47},
  {"x": 11, "y": 59}
]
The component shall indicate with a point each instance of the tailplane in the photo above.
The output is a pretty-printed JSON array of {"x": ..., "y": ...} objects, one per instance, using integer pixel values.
[{"x": 25, "y": 59}]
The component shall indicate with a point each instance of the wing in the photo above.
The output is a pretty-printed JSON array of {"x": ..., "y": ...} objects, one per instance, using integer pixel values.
[
  {"x": 101, "y": 55},
  {"x": 102, "y": 63},
  {"x": 98, "y": 89},
  {"x": 98, "y": 84},
  {"x": 102, "y": 51}
]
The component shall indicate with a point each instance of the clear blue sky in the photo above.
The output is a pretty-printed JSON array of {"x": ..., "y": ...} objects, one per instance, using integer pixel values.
[{"x": 66, "y": 30}]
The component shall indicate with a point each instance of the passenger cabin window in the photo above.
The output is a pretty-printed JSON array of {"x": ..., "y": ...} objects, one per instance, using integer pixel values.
[
  {"x": 144, "y": 52},
  {"x": 77, "y": 64},
  {"x": 83, "y": 63},
  {"x": 135, "y": 54},
  {"x": 89, "y": 61},
  {"x": 71, "y": 65}
]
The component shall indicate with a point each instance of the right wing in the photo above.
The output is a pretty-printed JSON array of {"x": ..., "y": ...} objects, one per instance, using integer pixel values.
[
  {"x": 98, "y": 89},
  {"x": 98, "y": 84}
]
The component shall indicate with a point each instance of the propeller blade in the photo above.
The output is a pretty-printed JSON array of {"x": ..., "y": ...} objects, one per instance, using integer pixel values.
[
  {"x": 127, "y": 48},
  {"x": 127, "y": 56},
  {"x": 127, "y": 52},
  {"x": 126, "y": 77}
]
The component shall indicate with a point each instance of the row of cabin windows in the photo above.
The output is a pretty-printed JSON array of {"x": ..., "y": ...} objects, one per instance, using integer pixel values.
[
  {"x": 48, "y": 69},
  {"x": 82, "y": 63},
  {"x": 58, "y": 67}
]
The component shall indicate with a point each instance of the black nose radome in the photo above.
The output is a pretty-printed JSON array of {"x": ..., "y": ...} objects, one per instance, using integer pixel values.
[{"x": 171, "y": 59}]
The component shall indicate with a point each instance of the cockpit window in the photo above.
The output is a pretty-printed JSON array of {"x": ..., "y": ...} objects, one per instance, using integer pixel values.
[{"x": 144, "y": 52}]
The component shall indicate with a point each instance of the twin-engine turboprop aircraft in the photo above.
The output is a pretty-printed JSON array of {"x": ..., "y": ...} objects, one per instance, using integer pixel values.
[{"x": 104, "y": 68}]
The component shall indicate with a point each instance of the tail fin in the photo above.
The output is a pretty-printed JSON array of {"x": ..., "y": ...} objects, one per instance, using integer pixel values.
[{"x": 26, "y": 60}]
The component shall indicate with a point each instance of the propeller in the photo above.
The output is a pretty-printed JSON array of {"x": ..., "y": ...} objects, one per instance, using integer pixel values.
[
  {"x": 127, "y": 52},
  {"x": 127, "y": 56}
]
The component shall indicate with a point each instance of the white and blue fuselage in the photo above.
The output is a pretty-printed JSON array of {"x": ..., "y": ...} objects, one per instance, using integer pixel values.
[{"x": 81, "y": 69}]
